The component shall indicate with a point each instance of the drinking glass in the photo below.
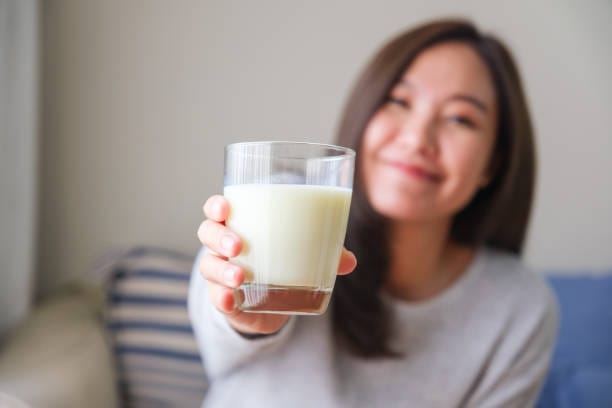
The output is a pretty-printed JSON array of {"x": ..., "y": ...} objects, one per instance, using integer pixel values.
[{"x": 289, "y": 202}]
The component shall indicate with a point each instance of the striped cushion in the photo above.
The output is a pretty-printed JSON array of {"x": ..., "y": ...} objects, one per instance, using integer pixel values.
[{"x": 156, "y": 352}]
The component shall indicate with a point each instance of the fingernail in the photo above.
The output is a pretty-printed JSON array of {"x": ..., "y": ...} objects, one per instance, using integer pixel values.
[
  {"x": 227, "y": 242},
  {"x": 229, "y": 275}
]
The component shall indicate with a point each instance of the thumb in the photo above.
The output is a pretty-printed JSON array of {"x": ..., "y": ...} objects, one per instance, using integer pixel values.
[{"x": 348, "y": 262}]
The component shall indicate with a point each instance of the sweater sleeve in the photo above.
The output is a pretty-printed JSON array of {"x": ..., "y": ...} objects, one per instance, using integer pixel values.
[
  {"x": 222, "y": 348},
  {"x": 515, "y": 375}
]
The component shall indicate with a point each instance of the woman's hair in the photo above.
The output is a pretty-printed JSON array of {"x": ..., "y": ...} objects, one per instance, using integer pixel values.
[{"x": 497, "y": 215}]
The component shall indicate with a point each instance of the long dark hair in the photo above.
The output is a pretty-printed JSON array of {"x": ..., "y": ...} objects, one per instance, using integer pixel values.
[{"x": 498, "y": 214}]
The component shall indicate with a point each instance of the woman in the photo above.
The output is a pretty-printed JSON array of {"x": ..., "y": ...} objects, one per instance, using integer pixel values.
[{"x": 439, "y": 311}]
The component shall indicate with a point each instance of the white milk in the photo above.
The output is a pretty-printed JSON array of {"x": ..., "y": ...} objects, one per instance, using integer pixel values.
[{"x": 293, "y": 234}]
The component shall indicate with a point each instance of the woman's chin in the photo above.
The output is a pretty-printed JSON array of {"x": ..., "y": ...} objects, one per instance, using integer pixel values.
[{"x": 405, "y": 212}]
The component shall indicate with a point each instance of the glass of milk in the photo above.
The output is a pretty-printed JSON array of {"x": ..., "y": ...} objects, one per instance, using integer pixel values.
[{"x": 289, "y": 202}]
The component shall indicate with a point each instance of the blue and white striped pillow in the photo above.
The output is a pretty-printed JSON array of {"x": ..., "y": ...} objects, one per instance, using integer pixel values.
[{"x": 156, "y": 352}]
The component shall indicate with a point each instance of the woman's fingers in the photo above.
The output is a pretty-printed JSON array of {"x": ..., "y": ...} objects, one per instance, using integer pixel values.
[
  {"x": 222, "y": 276},
  {"x": 348, "y": 262},
  {"x": 216, "y": 208},
  {"x": 221, "y": 272},
  {"x": 213, "y": 234},
  {"x": 221, "y": 297},
  {"x": 256, "y": 323},
  {"x": 219, "y": 238}
]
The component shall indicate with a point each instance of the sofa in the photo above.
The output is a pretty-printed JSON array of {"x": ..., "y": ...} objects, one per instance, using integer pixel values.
[{"x": 128, "y": 343}]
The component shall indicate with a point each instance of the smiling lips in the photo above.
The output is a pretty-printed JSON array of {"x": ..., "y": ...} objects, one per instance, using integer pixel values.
[{"x": 415, "y": 171}]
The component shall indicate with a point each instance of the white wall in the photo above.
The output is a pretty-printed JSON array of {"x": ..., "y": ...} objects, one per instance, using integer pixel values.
[{"x": 141, "y": 96}]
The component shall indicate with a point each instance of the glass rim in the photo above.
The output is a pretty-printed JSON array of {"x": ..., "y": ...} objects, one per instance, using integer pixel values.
[{"x": 342, "y": 151}]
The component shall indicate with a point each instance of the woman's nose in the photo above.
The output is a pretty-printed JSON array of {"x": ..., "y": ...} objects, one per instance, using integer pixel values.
[{"x": 419, "y": 135}]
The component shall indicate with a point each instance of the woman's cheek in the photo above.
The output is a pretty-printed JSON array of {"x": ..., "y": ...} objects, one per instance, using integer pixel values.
[{"x": 377, "y": 131}]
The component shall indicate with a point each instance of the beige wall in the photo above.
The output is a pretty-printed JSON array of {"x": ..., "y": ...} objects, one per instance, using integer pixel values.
[{"x": 141, "y": 96}]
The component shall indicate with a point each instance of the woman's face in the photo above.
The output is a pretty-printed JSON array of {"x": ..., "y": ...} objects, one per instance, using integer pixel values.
[{"x": 427, "y": 150}]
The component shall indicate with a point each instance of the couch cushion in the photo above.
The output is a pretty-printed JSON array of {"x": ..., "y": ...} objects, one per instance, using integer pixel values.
[
  {"x": 60, "y": 357},
  {"x": 155, "y": 348},
  {"x": 581, "y": 368}
]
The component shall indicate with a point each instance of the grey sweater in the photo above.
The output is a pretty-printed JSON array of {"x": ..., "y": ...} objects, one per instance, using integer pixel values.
[{"x": 484, "y": 342}]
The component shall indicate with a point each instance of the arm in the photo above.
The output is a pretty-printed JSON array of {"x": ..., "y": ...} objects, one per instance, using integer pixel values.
[
  {"x": 223, "y": 277},
  {"x": 228, "y": 337},
  {"x": 223, "y": 349}
]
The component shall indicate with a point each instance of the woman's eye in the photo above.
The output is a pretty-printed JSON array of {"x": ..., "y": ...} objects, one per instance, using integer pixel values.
[
  {"x": 462, "y": 120},
  {"x": 400, "y": 102}
]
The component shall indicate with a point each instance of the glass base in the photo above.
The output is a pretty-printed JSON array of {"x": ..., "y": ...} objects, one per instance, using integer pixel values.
[{"x": 294, "y": 300}]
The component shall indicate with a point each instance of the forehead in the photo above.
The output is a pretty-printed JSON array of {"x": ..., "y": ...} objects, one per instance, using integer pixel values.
[{"x": 450, "y": 68}]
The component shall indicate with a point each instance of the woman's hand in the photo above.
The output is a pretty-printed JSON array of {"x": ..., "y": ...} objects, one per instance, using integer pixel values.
[{"x": 223, "y": 276}]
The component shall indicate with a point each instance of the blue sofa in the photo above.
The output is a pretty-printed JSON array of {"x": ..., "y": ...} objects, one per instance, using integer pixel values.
[{"x": 581, "y": 370}]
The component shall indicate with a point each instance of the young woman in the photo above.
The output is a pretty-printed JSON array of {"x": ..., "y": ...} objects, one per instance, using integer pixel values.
[{"x": 438, "y": 311}]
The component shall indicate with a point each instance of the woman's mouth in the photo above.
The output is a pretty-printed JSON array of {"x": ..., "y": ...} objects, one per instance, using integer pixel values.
[{"x": 416, "y": 171}]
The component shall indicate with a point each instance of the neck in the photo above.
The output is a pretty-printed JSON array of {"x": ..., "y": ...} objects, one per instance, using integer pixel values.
[{"x": 424, "y": 261}]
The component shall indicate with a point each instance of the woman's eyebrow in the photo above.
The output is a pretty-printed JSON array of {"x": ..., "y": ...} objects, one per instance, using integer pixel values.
[
  {"x": 476, "y": 102},
  {"x": 471, "y": 100}
]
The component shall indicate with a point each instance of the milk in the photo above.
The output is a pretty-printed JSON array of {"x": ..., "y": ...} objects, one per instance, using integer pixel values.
[{"x": 292, "y": 234}]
